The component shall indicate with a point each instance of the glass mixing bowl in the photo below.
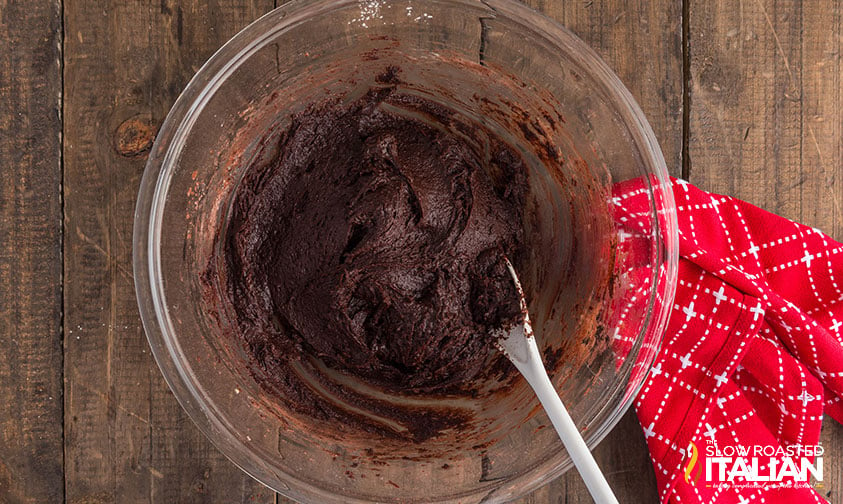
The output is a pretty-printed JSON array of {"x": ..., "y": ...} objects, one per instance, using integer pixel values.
[{"x": 493, "y": 62}]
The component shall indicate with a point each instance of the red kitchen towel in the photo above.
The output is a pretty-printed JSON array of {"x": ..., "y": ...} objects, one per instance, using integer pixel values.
[{"x": 752, "y": 355}]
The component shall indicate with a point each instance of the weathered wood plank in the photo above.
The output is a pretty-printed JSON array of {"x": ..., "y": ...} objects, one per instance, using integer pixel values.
[
  {"x": 765, "y": 122},
  {"x": 746, "y": 92},
  {"x": 127, "y": 440},
  {"x": 30, "y": 252},
  {"x": 641, "y": 40},
  {"x": 821, "y": 169}
]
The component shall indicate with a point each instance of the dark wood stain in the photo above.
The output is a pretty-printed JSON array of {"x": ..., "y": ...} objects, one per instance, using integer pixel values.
[
  {"x": 127, "y": 439},
  {"x": 31, "y": 462}
]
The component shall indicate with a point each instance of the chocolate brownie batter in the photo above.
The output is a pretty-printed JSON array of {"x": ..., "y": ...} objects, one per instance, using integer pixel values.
[{"x": 370, "y": 236}]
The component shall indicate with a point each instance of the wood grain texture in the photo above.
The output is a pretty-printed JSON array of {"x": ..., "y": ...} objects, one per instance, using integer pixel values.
[
  {"x": 127, "y": 440},
  {"x": 765, "y": 122},
  {"x": 30, "y": 252},
  {"x": 821, "y": 167},
  {"x": 746, "y": 92},
  {"x": 641, "y": 40}
]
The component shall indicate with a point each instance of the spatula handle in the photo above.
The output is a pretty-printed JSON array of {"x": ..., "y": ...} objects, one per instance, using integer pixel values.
[{"x": 569, "y": 433}]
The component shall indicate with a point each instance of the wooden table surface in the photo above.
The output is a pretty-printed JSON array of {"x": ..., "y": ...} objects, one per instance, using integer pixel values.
[{"x": 745, "y": 96}]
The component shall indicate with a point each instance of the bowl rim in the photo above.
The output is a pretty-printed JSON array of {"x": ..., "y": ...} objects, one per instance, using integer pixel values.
[{"x": 159, "y": 170}]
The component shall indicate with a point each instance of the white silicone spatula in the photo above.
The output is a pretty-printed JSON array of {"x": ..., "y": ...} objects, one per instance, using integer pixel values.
[{"x": 517, "y": 342}]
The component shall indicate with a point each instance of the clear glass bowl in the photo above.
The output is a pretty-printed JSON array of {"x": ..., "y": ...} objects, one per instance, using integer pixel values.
[{"x": 495, "y": 62}]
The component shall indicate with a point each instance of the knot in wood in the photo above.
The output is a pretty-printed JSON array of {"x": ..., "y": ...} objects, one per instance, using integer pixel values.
[{"x": 134, "y": 137}]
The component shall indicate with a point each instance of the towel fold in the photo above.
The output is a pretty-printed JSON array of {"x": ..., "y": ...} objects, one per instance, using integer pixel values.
[{"x": 752, "y": 356}]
